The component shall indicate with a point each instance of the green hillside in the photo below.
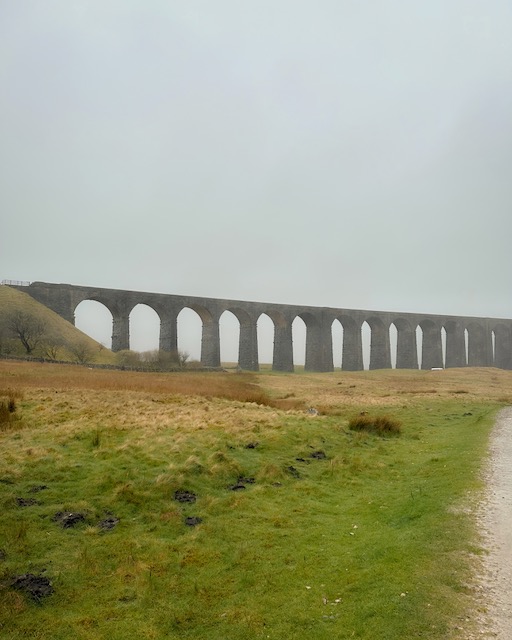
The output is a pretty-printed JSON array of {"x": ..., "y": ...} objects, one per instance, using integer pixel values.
[{"x": 56, "y": 338}]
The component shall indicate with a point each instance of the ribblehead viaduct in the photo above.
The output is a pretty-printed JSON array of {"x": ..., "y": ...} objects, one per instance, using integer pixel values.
[{"x": 447, "y": 341}]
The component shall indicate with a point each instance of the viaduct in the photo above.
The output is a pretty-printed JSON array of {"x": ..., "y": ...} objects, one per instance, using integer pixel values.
[{"x": 468, "y": 341}]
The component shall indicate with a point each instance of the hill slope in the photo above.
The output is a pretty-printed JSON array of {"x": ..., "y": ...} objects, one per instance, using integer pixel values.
[{"x": 60, "y": 339}]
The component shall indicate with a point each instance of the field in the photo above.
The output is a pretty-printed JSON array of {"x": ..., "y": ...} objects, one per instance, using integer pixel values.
[{"x": 237, "y": 506}]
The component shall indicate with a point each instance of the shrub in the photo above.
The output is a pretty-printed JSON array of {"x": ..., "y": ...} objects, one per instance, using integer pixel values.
[
  {"x": 128, "y": 358},
  {"x": 155, "y": 360},
  {"x": 379, "y": 425},
  {"x": 82, "y": 351}
]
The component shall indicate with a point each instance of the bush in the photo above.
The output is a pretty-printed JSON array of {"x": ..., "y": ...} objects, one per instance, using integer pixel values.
[
  {"x": 82, "y": 351},
  {"x": 158, "y": 360},
  {"x": 128, "y": 358},
  {"x": 379, "y": 425}
]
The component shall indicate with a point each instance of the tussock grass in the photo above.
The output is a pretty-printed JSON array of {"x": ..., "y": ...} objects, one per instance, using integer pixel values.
[
  {"x": 168, "y": 388},
  {"x": 379, "y": 425},
  {"x": 354, "y": 544},
  {"x": 8, "y": 408}
]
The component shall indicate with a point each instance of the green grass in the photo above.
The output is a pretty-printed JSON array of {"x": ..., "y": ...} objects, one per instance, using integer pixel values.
[{"x": 372, "y": 541}]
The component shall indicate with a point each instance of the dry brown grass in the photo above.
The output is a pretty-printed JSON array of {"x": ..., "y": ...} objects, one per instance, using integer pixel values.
[
  {"x": 63, "y": 398},
  {"x": 327, "y": 392},
  {"x": 241, "y": 387},
  {"x": 67, "y": 400}
]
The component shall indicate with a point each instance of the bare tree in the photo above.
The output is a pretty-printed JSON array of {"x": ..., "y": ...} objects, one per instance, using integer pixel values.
[
  {"x": 28, "y": 328},
  {"x": 82, "y": 351},
  {"x": 183, "y": 356},
  {"x": 50, "y": 346}
]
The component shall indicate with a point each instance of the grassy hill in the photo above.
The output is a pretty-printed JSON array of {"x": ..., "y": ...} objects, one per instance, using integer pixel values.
[
  {"x": 60, "y": 340},
  {"x": 193, "y": 505}
]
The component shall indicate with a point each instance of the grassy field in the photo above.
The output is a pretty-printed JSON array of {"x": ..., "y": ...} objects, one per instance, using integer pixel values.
[{"x": 238, "y": 506}]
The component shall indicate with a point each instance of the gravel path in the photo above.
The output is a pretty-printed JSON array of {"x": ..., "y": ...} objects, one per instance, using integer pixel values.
[{"x": 495, "y": 519}]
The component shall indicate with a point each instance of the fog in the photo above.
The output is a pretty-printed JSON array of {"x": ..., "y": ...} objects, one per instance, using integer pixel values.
[{"x": 344, "y": 154}]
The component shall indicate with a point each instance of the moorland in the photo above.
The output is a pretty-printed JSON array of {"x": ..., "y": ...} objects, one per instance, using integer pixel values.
[{"x": 236, "y": 505}]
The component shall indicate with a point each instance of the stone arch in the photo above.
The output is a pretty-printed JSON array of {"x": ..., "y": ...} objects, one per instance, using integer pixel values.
[
  {"x": 337, "y": 343},
  {"x": 243, "y": 338},
  {"x": 95, "y": 319},
  {"x": 265, "y": 330},
  {"x": 443, "y": 346},
  {"x": 393, "y": 344},
  {"x": 229, "y": 336},
  {"x": 315, "y": 342},
  {"x": 120, "y": 308},
  {"x": 299, "y": 341},
  {"x": 366, "y": 342},
  {"x": 145, "y": 324},
  {"x": 210, "y": 342},
  {"x": 419, "y": 345},
  {"x": 189, "y": 328}
]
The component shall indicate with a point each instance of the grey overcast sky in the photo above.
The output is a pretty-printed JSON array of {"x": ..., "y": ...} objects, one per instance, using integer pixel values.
[{"x": 346, "y": 153}]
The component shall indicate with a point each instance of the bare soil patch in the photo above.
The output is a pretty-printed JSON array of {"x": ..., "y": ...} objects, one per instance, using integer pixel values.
[
  {"x": 184, "y": 496},
  {"x": 36, "y": 587},
  {"x": 108, "y": 523},
  {"x": 68, "y": 519}
]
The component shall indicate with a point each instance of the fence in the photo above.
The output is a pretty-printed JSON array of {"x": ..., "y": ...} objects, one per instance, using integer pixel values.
[{"x": 16, "y": 283}]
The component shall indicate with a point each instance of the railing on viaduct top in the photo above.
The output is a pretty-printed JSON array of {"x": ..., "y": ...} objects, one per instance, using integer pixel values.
[
  {"x": 16, "y": 283},
  {"x": 467, "y": 340}
]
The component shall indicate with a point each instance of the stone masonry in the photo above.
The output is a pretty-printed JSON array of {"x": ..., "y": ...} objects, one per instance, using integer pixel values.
[{"x": 489, "y": 340}]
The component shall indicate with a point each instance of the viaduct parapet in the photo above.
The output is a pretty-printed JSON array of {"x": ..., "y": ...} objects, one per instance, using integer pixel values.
[{"x": 469, "y": 341}]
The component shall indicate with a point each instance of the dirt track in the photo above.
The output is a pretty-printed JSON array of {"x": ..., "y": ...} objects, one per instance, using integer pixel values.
[{"x": 495, "y": 519}]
